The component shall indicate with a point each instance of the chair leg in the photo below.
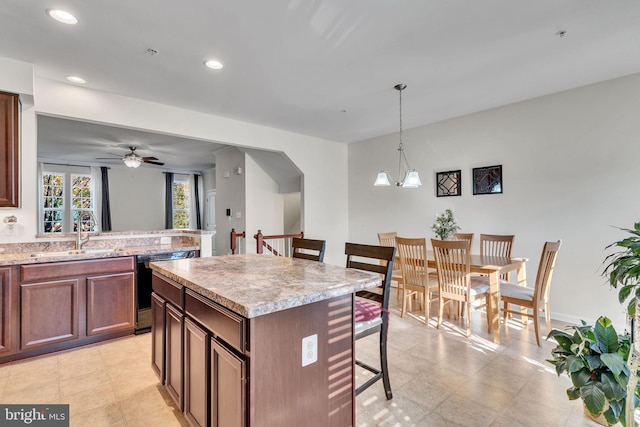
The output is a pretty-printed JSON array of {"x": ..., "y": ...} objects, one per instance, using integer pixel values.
[
  {"x": 547, "y": 316},
  {"x": 468, "y": 318},
  {"x": 441, "y": 304},
  {"x": 383, "y": 363},
  {"x": 536, "y": 326},
  {"x": 489, "y": 311},
  {"x": 404, "y": 301},
  {"x": 427, "y": 300}
]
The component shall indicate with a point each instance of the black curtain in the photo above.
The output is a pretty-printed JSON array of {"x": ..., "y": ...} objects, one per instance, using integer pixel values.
[
  {"x": 106, "y": 204},
  {"x": 168, "y": 200},
  {"x": 196, "y": 193}
]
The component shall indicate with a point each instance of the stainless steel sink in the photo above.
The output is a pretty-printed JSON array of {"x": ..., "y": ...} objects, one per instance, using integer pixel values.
[{"x": 73, "y": 252}]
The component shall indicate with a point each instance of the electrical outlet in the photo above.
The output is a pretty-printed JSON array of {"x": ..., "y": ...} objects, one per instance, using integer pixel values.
[
  {"x": 165, "y": 240},
  {"x": 309, "y": 349},
  {"x": 238, "y": 214}
]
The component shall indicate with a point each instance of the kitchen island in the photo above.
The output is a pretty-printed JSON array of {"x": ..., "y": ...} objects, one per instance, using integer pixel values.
[{"x": 255, "y": 340}]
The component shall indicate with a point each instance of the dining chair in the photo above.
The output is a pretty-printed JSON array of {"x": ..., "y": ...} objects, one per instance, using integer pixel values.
[
  {"x": 455, "y": 282},
  {"x": 389, "y": 239},
  {"x": 417, "y": 279},
  {"x": 497, "y": 245},
  {"x": 308, "y": 249},
  {"x": 536, "y": 299},
  {"x": 464, "y": 236},
  {"x": 371, "y": 313}
]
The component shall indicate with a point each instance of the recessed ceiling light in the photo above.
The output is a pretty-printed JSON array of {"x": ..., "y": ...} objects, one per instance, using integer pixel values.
[
  {"x": 76, "y": 79},
  {"x": 62, "y": 16},
  {"x": 213, "y": 64}
]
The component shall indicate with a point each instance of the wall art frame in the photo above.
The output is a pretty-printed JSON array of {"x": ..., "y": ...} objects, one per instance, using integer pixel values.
[
  {"x": 487, "y": 180},
  {"x": 449, "y": 183}
]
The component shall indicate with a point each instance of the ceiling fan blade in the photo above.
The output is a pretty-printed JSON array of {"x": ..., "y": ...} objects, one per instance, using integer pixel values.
[
  {"x": 152, "y": 162},
  {"x": 108, "y": 158},
  {"x": 149, "y": 158}
]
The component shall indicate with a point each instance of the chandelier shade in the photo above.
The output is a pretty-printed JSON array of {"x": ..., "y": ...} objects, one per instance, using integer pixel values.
[
  {"x": 132, "y": 160},
  {"x": 407, "y": 177}
]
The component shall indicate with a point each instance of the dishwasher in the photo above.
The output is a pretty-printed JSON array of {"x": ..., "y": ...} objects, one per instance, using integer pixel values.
[{"x": 143, "y": 285}]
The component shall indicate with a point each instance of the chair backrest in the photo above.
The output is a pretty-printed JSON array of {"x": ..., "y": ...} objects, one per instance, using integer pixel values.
[
  {"x": 368, "y": 258},
  {"x": 496, "y": 245},
  {"x": 308, "y": 249},
  {"x": 413, "y": 260},
  {"x": 464, "y": 236},
  {"x": 545, "y": 270},
  {"x": 453, "y": 265},
  {"x": 387, "y": 239}
]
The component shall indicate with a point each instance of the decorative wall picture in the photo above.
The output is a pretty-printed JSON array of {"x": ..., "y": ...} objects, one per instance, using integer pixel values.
[
  {"x": 487, "y": 180},
  {"x": 448, "y": 183}
]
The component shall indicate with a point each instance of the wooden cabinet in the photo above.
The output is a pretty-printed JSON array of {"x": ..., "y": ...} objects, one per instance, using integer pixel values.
[
  {"x": 8, "y": 310},
  {"x": 9, "y": 150},
  {"x": 196, "y": 374},
  {"x": 67, "y": 304},
  {"x": 228, "y": 392},
  {"x": 173, "y": 356},
  {"x": 49, "y": 313},
  {"x": 110, "y": 303},
  {"x": 158, "y": 305}
]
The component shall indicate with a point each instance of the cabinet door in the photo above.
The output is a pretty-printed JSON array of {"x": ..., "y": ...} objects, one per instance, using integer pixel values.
[
  {"x": 41, "y": 304},
  {"x": 110, "y": 303},
  {"x": 228, "y": 404},
  {"x": 9, "y": 150},
  {"x": 196, "y": 374},
  {"x": 157, "y": 335},
  {"x": 8, "y": 312},
  {"x": 173, "y": 355}
]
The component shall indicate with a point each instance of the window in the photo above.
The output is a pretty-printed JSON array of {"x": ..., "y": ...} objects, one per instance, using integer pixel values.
[
  {"x": 181, "y": 202},
  {"x": 65, "y": 196}
]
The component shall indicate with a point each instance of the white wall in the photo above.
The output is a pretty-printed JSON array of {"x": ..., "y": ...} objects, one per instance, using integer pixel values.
[
  {"x": 230, "y": 194},
  {"x": 570, "y": 163},
  {"x": 137, "y": 198},
  {"x": 265, "y": 208},
  {"x": 292, "y": 213}
]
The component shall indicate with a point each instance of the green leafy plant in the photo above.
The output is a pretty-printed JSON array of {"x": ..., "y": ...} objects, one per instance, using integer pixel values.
[
  {"x": 595, "y": 358},
  {"x": 445, "y": 224},
  {"x": 623, "y": 268}
]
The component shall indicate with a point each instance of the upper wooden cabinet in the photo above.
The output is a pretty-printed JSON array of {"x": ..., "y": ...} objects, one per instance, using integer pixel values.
[{"x": 9, "y": 150}]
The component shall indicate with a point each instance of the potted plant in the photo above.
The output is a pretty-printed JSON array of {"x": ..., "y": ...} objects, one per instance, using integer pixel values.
[
  {"x": 595, "y": 358},
  {"x": 445, "y": 225},
  {"x": 623, "y": 269}
]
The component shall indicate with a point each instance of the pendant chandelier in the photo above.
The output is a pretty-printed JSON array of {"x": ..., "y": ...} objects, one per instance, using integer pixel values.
[{"x": 407, "y": 177}]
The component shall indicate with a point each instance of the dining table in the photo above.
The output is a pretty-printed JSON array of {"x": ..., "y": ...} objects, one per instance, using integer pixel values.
[{"x": 494, "y": 267}]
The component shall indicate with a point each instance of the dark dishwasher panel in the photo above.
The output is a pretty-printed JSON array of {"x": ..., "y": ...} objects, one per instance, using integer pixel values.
[{"x": 143, "y": 285}]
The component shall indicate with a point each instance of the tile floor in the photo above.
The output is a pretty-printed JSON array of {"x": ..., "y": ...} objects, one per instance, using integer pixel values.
[{"x": 438, "y": 377}]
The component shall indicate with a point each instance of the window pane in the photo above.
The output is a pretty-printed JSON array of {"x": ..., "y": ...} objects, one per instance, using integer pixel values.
[{"x": 180, "y": 219}]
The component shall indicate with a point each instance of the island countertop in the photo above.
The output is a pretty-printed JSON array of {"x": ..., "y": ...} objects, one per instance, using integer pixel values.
[{"x": 254, "y": 285}]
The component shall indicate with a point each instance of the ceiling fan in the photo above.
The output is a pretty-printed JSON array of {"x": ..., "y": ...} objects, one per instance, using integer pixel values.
[{"x": 133, "y": 160}]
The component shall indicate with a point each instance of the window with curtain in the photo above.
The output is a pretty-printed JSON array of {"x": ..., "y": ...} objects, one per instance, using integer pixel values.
[
  {"x": 181, "y": 201},
  {"x": 64, "y": 196}
]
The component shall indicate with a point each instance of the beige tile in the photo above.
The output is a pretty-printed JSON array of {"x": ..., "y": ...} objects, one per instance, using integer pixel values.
[
  {"x": 34, "y": 392},
  {"x": 90, "y": 399},
  {"x": 166, "y": 416},
  {"x": 107, "y": 415},
  {"x": 83, "y": 383},
  {"x": 460, "y": 411}
]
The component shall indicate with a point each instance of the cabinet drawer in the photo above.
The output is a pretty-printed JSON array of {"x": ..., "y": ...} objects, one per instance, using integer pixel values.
[
  {"x": 168, "y": 289},
  {"x": 223, "y": 323},
  {"x": 58, "y": 270}
]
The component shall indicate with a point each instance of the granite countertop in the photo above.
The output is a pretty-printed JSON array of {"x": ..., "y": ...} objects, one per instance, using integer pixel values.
[
  {"x": 254, "y": 285},
  {"x": 36, "y": 257}
]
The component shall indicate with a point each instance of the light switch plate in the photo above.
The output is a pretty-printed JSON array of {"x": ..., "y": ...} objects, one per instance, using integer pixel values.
[{"x": 309, "y": 349}]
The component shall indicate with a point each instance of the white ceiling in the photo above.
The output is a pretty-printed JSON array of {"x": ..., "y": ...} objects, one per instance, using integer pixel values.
[{"x": 327, "y": 67}]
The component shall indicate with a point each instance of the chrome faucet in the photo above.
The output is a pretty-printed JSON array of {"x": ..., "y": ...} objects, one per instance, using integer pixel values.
[{"x": 79, "y": 239}]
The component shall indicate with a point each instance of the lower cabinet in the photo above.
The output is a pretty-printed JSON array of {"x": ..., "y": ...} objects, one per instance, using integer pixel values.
[
  {"x": 158, "y": 306},
  {"x": 109, "y": 301},
  {"x": 50, "y": 313},
  {"x": 8, "y": 310},
  {"x": 196, "y": 374},
  {"x": 56, "y": 306},
  {"x": 227, "y": 387},
  {"x": 173, "y": 356}
]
